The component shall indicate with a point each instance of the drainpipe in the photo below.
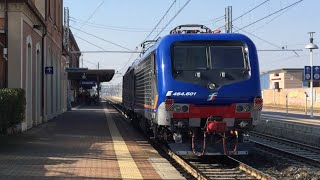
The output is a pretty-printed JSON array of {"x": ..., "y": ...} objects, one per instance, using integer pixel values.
[
  {"x": 42, "y": 70},
  {"x": 5, "y": 56},
  {"x": 44, "y": 33}
]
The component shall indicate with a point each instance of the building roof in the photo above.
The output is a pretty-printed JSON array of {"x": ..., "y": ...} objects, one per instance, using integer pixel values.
[
  {"x": 85, "y": 74},
  {"x": 285, "y": 70}
]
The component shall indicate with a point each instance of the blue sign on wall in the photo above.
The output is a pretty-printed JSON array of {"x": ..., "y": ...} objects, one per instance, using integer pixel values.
[
  {"x": 307, "y": 73},
  {"x": 316, "y": 73},
  {"x": 49, "y": 69},
  {"x": 92, "y": 83}
]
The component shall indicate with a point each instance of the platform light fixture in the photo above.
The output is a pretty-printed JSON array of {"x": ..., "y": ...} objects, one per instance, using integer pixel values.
[{"x": 311, "y": 46}]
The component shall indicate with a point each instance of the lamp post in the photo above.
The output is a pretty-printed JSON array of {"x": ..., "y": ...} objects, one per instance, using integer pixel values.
[{"x": 311, "y": 46}]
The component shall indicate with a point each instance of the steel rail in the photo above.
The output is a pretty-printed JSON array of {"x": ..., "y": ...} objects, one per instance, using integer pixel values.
[
  {"x": 288, "y": 148},
  {"x": 252, "y": 171},
  {"x": 192, "y": 169}
]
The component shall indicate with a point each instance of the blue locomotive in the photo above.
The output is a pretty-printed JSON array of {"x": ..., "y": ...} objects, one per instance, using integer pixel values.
[{"x": 196, "y": 90}]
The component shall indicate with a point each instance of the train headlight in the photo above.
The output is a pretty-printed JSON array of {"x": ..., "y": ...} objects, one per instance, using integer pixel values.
[
  {"x": 212, "y": 86},
  {"x": 239, "y": 108},
  {"x": 247, "y": 108},
  {"x": 185, "y": 108},
  {"x": 177, "y": 108}
]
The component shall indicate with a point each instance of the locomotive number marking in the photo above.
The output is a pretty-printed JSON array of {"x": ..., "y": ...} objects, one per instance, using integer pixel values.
[{"x": 184, "y": 93}]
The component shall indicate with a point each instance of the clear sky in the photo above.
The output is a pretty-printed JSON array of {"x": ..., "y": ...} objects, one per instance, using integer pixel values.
[{"x": 128, "y": 22}]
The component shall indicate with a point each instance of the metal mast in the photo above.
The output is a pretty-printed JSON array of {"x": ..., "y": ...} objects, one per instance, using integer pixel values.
[
  {"x": 66, "y": 29},
  {"x": 228, "y": 19}
]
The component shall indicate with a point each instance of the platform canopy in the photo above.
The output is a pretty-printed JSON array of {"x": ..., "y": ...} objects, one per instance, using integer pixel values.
[{"x": 85, "y": 74}]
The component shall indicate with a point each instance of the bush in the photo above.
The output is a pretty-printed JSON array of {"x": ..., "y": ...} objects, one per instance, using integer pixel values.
[{"x": 12, "y": 108}]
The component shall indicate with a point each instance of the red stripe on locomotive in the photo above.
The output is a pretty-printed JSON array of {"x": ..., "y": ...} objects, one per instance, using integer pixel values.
[{"x": 207, "y": 111}]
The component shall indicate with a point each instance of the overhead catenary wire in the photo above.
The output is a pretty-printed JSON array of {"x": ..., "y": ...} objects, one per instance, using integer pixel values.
[
  {"x": 108, "y": 27},
  {"x": 160, "y": 20},
  {"x": 172, "y": 18},
  {"x": 251, "y": 10},
  {"x": 215, "y": 20},
  {"x": 157, "y": 26},
  {"x": 104, "y": 51},
  {"x": 301, "y": 44},
  {"x": 277, "y": 46},
  {"x": 220, "y": 18},
  {"x": 247, "y": 12},
  {"x": 94, "y": 12},
  {"x": 116, "y": 28},
  {"x": 146, "y": 37},
  {"x": 293, "y": 57},
  {"x": 127, "y": 63},
  {"x": 90, "y": 42},
  {"x": 270, "y": 21},
  {"x": 90, "y": 62},
  {"x": 286, "y": 60},
  {"x": 101, "y": 38},
  {"x": 293, "y": 4},
  {"x": 270, "y": 50}
]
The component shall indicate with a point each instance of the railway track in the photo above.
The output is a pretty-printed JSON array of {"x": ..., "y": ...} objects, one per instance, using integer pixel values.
[
  {"x": 301, "y": 152},
  {"x": 228, "y": 168}
]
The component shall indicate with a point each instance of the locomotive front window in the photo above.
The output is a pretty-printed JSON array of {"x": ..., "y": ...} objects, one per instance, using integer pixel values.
[
  {"x": 227, "y": 57},
  {"x": 189, "y": 58}
]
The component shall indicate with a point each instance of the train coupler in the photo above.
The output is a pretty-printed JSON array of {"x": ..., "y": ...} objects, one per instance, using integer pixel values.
[{"x": 214, "y": 127}]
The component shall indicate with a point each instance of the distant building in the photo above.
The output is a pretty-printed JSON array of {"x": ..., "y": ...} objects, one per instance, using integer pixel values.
[
  {"x": 74, "y": 61},
  {"x": 282, "y": 78}
]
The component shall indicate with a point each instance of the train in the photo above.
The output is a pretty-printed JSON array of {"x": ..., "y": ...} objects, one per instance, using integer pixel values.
[{"x": 196, "y": 90}]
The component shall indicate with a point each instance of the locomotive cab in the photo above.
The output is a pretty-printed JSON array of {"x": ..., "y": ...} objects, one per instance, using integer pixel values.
[{"x": 204, "y": 92}]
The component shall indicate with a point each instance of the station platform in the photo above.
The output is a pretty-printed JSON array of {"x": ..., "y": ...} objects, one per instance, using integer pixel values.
[
  {"x": 89, "y": 142},
  {"x": 294, "y": 125}
]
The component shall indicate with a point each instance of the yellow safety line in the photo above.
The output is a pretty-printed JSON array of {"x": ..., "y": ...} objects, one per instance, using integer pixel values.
[{"x": 128, "y": 167}]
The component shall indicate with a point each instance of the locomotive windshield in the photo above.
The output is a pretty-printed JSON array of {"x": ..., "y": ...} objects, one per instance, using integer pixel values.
[
  {"x": 195, "y": 58},
  {"x": 227, "y": 57},
  {"x": 190, "y": 58},
  {"x": 200, "y": 62}
]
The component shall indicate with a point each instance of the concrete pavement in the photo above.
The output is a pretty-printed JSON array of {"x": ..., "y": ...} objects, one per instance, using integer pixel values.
[{"x": 86, "y": 143}]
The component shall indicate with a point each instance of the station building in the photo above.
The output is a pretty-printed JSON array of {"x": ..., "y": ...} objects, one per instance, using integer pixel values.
[{"x": 31, "y": 33}]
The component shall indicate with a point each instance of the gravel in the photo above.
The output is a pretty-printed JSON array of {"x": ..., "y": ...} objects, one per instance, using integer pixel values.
[{"x": 281, "y": 167}]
